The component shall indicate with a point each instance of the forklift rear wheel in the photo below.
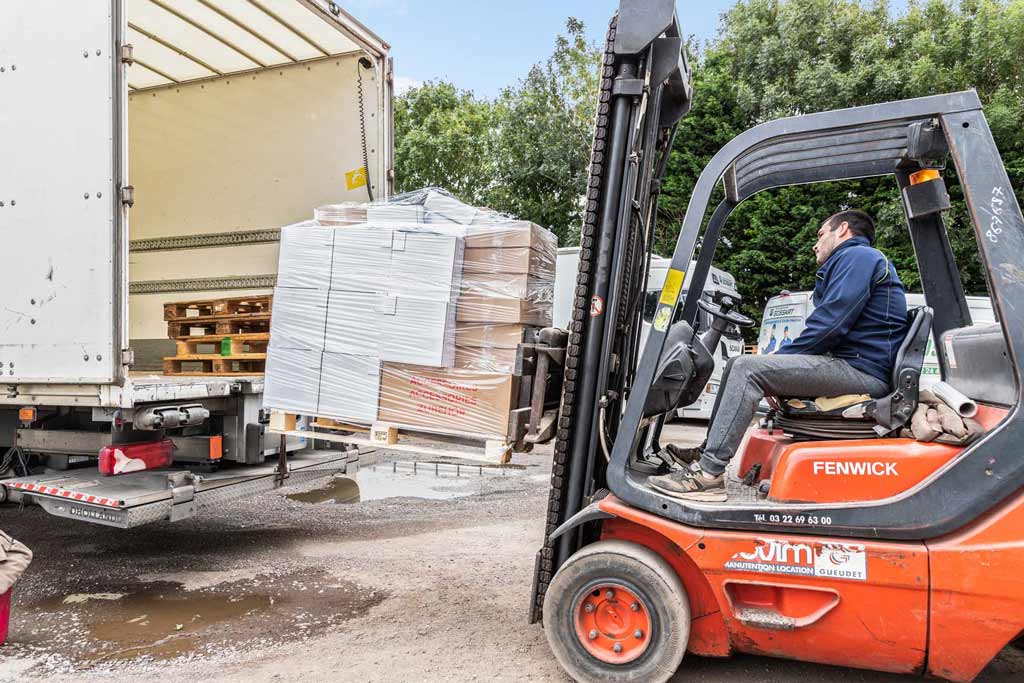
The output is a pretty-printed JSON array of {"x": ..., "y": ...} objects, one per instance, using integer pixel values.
[{"x": 616, "y": 611}]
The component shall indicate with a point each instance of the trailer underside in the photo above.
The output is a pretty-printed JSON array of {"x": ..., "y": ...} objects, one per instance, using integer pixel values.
[{"x": 139, "y": 498}]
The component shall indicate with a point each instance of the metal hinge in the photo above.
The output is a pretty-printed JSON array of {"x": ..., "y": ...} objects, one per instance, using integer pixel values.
[
  {"x": 128, "y": 196},
  {"x": 127, "y": 55},
  {"x": 128, "y": 357}
]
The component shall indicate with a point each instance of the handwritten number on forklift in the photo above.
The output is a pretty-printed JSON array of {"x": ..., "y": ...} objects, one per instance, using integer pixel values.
[
  {"x": 995, "y": 210},
  {"x": 813, "y": 520}
]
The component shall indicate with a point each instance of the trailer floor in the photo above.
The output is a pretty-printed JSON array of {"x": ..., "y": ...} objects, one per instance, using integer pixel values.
[{"x": 289, "y": 585}]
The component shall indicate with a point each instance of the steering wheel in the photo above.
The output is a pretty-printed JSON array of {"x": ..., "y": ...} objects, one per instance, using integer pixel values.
[{"x": 725, "y": 312}]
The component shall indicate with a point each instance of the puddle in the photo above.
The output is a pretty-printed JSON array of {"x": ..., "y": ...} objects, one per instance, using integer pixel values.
[
  {"x": 398, "y": 479},
  {"x": 161, "y": 620},
  {"x": 338, "y": 490},
  {"x": 165, "y": 624}
]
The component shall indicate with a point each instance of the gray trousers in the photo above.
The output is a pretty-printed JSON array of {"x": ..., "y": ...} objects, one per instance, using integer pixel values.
[{"x": 749, "y": 378}]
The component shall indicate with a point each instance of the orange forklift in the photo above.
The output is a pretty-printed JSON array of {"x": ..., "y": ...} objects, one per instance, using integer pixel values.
[{"x": 842, "y": 541}]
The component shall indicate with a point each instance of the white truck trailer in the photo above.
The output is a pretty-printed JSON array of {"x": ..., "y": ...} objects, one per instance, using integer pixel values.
[{"x": 152, "y": 149}]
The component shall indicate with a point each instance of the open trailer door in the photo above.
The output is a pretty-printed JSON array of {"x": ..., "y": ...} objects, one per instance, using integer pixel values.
[{"x": 61, "y": 289}]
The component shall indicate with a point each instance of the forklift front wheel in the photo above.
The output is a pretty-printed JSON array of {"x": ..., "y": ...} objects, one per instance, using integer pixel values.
[{"x": 616, "y": 611}]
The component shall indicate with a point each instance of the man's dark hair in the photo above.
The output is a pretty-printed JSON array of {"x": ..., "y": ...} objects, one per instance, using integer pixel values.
[{"x": 860, "y": 223}]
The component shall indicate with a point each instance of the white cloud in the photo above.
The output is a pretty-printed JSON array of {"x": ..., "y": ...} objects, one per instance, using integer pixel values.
[{"x": 404, "y": 84}]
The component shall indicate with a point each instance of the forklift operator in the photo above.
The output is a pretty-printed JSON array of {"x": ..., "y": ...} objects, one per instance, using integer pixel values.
[{"x": 848, "y": 346}]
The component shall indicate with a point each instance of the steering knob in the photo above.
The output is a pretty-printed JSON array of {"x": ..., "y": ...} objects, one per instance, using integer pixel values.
[{"x": 725, "y": 312}]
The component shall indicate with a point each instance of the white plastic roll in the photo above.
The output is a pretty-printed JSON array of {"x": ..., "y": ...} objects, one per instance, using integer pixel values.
[{"x": 963, "y": 406}]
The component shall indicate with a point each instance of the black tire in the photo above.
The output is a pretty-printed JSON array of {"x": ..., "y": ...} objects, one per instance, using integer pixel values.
[{"x": 647, "y": 575}]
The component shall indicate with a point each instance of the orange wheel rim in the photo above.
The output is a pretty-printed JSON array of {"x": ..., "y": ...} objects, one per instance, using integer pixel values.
[{"x": 612, "y": 623}]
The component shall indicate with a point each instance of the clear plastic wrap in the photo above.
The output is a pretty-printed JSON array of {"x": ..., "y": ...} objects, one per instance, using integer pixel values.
[{"x": 433, "y": 295}]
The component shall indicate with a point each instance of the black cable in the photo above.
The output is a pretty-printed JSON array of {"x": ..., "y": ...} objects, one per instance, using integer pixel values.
[
  {"x": 365, "y": 64},
  {"x": 8, "y": 462}
]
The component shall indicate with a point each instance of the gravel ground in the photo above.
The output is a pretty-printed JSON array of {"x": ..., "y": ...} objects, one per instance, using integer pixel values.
[{"x": 275, "y": 587}]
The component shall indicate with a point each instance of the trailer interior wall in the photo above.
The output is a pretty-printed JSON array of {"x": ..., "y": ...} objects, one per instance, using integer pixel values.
[
  {"x": 228, "y": 118},
  {"x": 220, "y": 164}
]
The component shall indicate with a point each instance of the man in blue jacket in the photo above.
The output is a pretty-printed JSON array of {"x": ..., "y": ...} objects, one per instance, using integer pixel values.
[{"x": 848, "y": 346}]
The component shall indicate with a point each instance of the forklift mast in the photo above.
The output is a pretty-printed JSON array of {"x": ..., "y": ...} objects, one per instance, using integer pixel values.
[{"x": 645, "y": 89}]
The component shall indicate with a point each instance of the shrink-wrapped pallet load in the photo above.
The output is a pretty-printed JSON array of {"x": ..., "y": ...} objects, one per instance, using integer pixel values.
[{"x": 414, "y": 309}]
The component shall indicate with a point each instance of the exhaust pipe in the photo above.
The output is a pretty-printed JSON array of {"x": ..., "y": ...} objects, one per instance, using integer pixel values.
[{"x": 963, "y": 406}]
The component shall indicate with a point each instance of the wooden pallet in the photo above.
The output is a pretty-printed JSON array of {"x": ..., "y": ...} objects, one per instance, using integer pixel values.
[
  {"x": 241, "y": 344},
  {"x": 239, "y": 305},
  {"x": 253, "y": 323},
  {"x": 400, "y": 438},
  {"x": 203, "y": 364}
]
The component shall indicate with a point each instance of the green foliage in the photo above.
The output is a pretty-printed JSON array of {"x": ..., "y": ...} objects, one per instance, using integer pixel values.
[
  {"x": 545, "y": 126},
  {"x": 525, "y": 153},
  {"x": 443, "y": 137},
  {"x": 776, "y": 58}
]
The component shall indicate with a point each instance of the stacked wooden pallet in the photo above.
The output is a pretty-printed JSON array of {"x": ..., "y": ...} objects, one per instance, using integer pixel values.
[{"x": 219, "y": 336}]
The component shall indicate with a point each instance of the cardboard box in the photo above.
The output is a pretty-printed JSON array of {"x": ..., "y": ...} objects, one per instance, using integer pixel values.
[
  {"x": 298, "y": 318},
  {"x": 349, "y": 387},
  {"x": 360, "y": 259},
  {"x": 484, "y": 359},
  {"x": 417, "y": 331},
  {"x": 440, "y": 208},
  {"x": 292, "y": 380},
  {"x": 519, "y": 286},
  {"x": 491, "y": 232},
  {"x": 492, "y": 309},
  {"x": 455, "y": 401},
  {"x": 340, "y": 214},
  {"x": 425, "y": 264},
  {"x": 491, "y": 260},
  {"x": 490, "y": 335},
  {"x": 304, "y": 257},
  {"x": 353, "y": 323},
  {"x": 395, "y": 213},
  {"x": 307, "y": 382}
]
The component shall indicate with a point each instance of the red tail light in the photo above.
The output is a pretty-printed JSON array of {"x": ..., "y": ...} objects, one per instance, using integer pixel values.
[{"x": 135, "y": 457}]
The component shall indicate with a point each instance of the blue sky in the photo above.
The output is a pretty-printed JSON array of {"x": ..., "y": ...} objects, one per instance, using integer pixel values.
[{"x": 484, "y": 45}]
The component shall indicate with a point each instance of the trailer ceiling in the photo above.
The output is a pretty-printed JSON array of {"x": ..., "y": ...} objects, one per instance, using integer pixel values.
[{"x": 177, "y": 41}]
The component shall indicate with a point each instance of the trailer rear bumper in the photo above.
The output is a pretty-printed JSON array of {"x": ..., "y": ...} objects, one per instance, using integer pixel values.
[{"x": 140, "y": 498}]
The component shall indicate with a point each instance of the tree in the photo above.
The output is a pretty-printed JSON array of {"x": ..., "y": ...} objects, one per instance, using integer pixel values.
[
  {"x": 777, "y": 58},
  {"x": 444, "y": 137},
  {"x": 525, "y": 153},
  {"x": 545, "y": 125}
]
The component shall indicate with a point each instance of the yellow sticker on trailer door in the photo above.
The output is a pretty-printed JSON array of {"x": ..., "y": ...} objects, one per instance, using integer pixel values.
[
  {"x": 673, "y": 285},
  {"x": 355, "y": 178}
]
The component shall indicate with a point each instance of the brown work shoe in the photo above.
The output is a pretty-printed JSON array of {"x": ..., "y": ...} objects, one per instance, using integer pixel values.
[
  {"x": 680, "y": 458},
  {"x": 691, "y": 484}
]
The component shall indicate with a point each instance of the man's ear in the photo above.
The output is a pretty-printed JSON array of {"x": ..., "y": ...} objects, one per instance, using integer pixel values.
[{"x": 843, "y": 231}]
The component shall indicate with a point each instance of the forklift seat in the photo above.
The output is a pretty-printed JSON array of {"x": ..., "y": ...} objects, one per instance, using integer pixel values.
[{"x": 805, "y": 419}]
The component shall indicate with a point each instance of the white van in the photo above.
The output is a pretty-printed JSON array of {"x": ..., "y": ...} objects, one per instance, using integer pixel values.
[
  {"x": 719, "y": 283},
  {"x": 784, "y": 317}
]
